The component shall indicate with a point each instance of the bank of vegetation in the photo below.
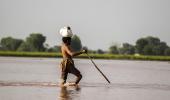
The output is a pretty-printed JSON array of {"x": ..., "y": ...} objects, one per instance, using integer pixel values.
[
  {"x": 95, "y": 56},
  {"x": 145, "y": 48}
]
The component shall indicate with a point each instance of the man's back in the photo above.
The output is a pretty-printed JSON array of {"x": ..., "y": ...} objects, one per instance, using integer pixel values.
[{"x": 65, "y": 49}]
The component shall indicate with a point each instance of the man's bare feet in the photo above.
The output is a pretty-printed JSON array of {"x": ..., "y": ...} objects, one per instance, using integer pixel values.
[
  {"x": 72, "y": 84},
  {"x": 61, "y": 85},
  {"x": 69, "y": 84},
  {"x": 66, "y": 84}
]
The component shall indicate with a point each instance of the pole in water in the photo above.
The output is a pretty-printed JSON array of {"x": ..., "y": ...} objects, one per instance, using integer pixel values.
[{"x": 98, "y": 68}]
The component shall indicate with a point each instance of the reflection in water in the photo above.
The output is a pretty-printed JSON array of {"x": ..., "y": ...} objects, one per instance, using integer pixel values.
[
  {"x": 64, "y": 94},
  {"x": 69, "y": 93}
]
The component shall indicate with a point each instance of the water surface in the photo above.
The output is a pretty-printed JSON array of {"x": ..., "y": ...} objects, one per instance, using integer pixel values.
[{"x": 37, "y": 79}]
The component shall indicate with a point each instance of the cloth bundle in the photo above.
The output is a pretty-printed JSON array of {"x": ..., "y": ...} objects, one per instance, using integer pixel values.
[{"x": 66, "y": 32}]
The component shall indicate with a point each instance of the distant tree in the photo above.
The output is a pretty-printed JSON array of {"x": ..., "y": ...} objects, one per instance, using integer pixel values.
[
  {"x": 24, "y": 47},
  {"x": 47, "y": 47},
  {"x": 9, "y": 43},
  {"x": 152, "y": 40},
  {"x": 140, "y": 44},
  {"x": 35, "y": 42},
  {"x": 76, "y": 43},
  {"x": 160, "y": 48},
  {"x": 1, "y": 48},
  {"x": 127, "y": 49},
  {"x": 99, "y": 51},
  {"x": 55, "y": 49},
  {"x": 150, "y": 46},
  {"x": 147, "y": 50},
  {"x": 167, "y": 51},
  {"x": 92, "y": 51},
  {"x": 113, "y": 49}
]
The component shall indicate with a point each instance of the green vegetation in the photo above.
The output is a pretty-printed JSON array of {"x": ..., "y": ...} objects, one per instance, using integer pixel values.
[
  {"x": 95, "y": 56},
  {"x": 147, "y": 48},
  {"x": 76, "y": 43},
  {"x": 151, "y": 46},
  {"x": 144, "y": 46},
  {"x": 33, "y": 43},
  {"x": 9, "y": 43}
]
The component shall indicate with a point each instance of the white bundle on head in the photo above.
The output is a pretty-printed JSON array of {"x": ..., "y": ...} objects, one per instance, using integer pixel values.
[{"x": 65, "y": 32}]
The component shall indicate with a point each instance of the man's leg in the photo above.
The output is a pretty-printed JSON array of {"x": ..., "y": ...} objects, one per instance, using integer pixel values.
[
  {"x": 77, "y": 73},
  {"x": 79, "y": 77},
  {"x": 64, "y": 77}
]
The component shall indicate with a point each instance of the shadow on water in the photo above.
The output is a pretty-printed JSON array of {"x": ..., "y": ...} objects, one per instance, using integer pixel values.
[{"x": 69, "y": 93}]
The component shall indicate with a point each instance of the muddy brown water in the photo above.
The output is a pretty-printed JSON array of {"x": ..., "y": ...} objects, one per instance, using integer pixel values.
[{"x": 38, "y": 78}]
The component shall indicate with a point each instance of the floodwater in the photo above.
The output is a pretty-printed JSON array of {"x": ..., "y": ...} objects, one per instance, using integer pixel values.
[{"x": 38, "y": 78}]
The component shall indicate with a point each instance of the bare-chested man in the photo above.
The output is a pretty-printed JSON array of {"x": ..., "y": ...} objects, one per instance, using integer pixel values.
[{"x": 67, "y": 64}]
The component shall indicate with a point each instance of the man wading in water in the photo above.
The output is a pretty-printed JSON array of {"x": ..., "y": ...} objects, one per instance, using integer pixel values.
[{"x": 67, "y": 64}]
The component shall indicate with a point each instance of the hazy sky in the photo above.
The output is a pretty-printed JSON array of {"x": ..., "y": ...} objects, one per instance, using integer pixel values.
[{"x": 98, "y": 23}]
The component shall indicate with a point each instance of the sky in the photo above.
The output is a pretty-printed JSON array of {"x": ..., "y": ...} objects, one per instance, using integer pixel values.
[{"x": 98, "y": 23}]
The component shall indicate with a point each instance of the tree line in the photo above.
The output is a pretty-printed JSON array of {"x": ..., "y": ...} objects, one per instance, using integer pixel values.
[
  {"x": 35, "y": 42},
  {"x": 145, "y": 46}
]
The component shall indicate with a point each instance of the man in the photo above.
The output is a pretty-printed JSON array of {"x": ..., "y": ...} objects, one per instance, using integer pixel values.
[{"x": 67, "y": 64}]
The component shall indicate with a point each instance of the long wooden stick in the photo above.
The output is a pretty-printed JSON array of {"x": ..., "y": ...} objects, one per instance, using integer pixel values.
[{"x": 98, "y": 68}]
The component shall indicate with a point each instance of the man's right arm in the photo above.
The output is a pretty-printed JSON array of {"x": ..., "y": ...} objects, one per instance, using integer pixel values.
[{"x": 68, "y": 50}]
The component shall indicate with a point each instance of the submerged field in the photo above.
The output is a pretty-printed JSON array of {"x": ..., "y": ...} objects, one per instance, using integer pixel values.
[
  {"x": 30, "y": 78},
  {"x": 96, "y": 56}
]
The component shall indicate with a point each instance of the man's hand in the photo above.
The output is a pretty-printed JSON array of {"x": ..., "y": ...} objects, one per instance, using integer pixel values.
[{"x": 84, "y": 51}]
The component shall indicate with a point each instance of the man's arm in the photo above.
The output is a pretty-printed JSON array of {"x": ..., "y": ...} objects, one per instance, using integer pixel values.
[{"x": 69, "y": 51}]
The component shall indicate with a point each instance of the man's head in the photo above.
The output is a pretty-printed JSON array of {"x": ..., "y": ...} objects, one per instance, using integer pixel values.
[{"x": 66, "y": 40}]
